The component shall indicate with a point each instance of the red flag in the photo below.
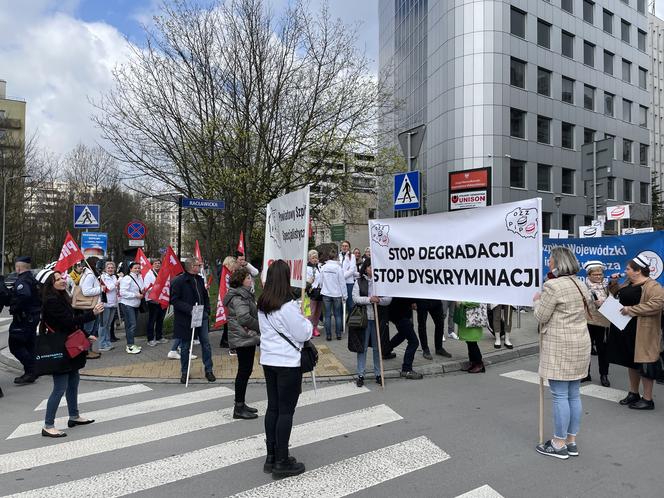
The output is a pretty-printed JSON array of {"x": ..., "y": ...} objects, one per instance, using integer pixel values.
[
  {"x": 221, "y": 317},
  {"x": 240, "y": 244},
  {"x": 165, "y": 294},
  {"x": 69, "y": 255},
  {"x": 170, "y": 267},
  {"x": 197, "y": 251},
  {"x": 146, "y": 266}
]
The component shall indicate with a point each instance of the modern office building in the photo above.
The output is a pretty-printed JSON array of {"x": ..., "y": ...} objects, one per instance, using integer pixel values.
[
  {"x": 656, "y": 46},
  {"x": 12, "y": 125},
  {"x": 519, "y": 86}
]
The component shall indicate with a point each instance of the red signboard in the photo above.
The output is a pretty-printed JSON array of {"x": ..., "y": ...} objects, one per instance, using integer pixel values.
[{"x": 470, "y": 179}]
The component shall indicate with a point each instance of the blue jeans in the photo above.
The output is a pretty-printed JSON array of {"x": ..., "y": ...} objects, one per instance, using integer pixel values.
[
  {"x": 333, "y": 302},
  {"x": 107, "y": 318},
  {"x": 205, "y": 346},
  {"x": 362, "y": 357},
  {"x": 130, "y": 318},
  {"x": 566, "y": 407},
  {"x": 67, "y": 384},
  {"x": 349, "y": 298},
  {"x": 176, "y": 344}
]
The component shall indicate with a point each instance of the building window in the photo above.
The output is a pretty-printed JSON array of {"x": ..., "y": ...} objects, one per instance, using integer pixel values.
[
  {"x": 543, "y": 34},
  {"x": 588, "y": 135},
  {"x": 641, "y": 6},
  {"x": 588, "y": 54},
  {"x": 544, "y": 177},
  {"x": 567, "y": 5},
  {"x": 544, "y": 81},
  {"x": 627, "y": 190},
  {"x": 641, "y": 40},
  {"x": 624, "y": 30},
  {"x": 567, "y": 42},
  {"x": 588, "y": 97},
  {"x": 567, "y": 132},
  {"x": 608, "y": 21},
  {"x": 517, "y": 123},
  {"x": 626, "y": 71},
  {"x": 568, "y": 181},
  {"x": 517, "y": 73},
  {"x": 567, "y": 222},
  {"x": 606, "y": 135},
  {"x": 627, "y": 150},
  {"x": 643, "y": 78},
  {"x": 543, "y": 130},
  {"x": 568, "y": 90},
  {"x": 627, "y": 110},
  {"x": 608, "y": 62},
  {"x": 518, "y": 22},
  {"x": 643, "y": 192},
  {"x": 517, "y": 173},
  {"x": 588, "y": 11},
  {"x": 611, "y": 188},
  {"x": 643, "y": 116},
  {"x": 546, "y": 222},
  {"x": 608, "y": 103},
  {"x": 643, "y": 154}
]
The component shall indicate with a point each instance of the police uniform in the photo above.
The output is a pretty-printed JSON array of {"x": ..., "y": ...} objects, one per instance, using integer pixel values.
[{"x": 25, "y": 308}]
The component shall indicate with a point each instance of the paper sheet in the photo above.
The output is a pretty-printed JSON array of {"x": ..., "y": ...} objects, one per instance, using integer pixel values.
[{"x": 611, "y": 310}]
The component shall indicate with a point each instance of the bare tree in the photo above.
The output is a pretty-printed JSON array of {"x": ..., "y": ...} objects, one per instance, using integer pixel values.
[{"x": 230, "y": 101}]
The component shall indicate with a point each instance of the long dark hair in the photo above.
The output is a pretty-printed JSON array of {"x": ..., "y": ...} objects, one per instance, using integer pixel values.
[
  {"x": 277, "y": 290},
  {"x": 49, "y": 290}
]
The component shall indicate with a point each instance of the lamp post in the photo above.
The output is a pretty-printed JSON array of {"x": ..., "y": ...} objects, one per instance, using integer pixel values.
[
  {"x": 557, "y": 200},
  {"x": 4, "y": 215}
]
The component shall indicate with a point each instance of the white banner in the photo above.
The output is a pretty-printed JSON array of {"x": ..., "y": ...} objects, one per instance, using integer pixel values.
[
  {"x": 287, "y": 234},
  {"x": 487, "y": 255},
  {"x": 590, "y": 231}
]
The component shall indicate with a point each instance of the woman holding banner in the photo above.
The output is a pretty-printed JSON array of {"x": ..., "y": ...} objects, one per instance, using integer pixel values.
[
  {"x": 561, "y": 310},
  {"x": 637, "y": 347}
]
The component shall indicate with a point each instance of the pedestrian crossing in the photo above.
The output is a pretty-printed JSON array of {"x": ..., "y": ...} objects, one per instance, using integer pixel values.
[{"x": 351, "y": 473}]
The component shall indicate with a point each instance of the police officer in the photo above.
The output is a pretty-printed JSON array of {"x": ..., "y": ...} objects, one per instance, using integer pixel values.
[{"x": 25, "y": 307}]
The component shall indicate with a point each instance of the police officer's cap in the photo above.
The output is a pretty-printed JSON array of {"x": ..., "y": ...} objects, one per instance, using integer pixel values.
[{"x": 24, "y": 259}]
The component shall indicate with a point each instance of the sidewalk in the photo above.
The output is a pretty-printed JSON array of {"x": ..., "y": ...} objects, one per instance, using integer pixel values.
[{"x": 335, "y": 361}]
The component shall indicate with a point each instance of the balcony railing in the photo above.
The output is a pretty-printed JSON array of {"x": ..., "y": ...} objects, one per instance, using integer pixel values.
[{"x": 13, "y": 124}]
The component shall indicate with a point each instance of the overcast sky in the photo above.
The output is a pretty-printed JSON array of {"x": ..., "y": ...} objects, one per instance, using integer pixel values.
[{"x": 54, "y": 54}]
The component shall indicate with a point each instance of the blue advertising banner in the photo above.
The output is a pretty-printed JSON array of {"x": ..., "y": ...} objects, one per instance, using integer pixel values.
[
  {"x": 614, "y": 251},
  {"x": 94, "y": 244}
]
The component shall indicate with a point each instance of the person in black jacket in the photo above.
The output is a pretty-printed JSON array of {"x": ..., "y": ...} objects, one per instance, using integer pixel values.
[
  {"x": 58, "y": 317},
  {"x": 401, "y": 315},
  {"x": 187, "y": 290}
]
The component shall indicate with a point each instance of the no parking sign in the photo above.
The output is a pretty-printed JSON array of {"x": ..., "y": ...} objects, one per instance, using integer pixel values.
[{"x": 136, "y": 230}]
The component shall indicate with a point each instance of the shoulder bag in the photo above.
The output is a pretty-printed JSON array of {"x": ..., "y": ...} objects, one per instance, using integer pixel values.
[
  {"x": 476, "y": 316},
  {"x": 143, "y": 306},
  {"x": 82, "y": 302},
  {"x": 308, "y": 351},
  {"x": 585, "y": 302}
]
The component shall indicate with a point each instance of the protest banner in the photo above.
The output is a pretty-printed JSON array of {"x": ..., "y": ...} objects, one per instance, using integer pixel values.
[
  {"x": 487, "y": 255},
  {"x": 287, "y": 234},
  {"x": 614, "y": 251}
]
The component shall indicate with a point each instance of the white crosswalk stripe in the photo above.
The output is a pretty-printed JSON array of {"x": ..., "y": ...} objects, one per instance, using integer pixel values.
[
  {"x": 356, "y": 473},
  {"x": 592, "y": 390},
  {"x": 32, "y": 428},
  {"x": 116, "y": 392},
  {"x": 485, "y": 491}
]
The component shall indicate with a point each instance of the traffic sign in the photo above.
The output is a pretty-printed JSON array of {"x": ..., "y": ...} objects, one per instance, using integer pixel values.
[
  {"x": 136, "y": 230},
  {"x": 407, "y": 191},
  {"x": 203, "y": 203},
  {"x": 86, "y": 216},
  {"x": 136, "y": 243}
]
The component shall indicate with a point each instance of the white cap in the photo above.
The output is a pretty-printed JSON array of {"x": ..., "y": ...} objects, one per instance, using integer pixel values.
[
  {"x": 640, "y": 261},
  {"x": 593, "y": 264},
  {"x": 43, "y": 275}
]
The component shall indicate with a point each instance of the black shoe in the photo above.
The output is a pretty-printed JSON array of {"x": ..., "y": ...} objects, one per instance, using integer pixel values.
[
  {"x": 379, "y": 380},
  {"x": 643, "y": 404},
  {"x": 604, "y": 379},
  {"x": 587, "y": 378},
  {"x": 443, "y": 352},
  {"x": 210, "y": 377},
  {"x": 45, "y": 433},
  {"x": 25, "y": 379},
  {"x": 269, "y": 463},
  {"x": 287, "y": 468},
  {"x": 411, "y": 375},
  {"x": 183, "y": 379},
  {"x": 360, "y": 381},
  {"x": 73, "y": 423},
  {"x": 250, "y": 408},
  {"x": 427, "y": 355},
  {"x": 240, "y": 411},
  {"x": 328, "y": 337},
  {"x": 114, "y": 339},
  {"x": 629, "y": 399},
  {"x": 389, "y": 356},
  {"x": 338, "y": 338}
]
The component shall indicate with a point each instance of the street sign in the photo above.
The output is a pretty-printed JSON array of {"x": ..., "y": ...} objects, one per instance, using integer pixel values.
[
  {"x": 94, "y": 244},
  {"x": 407, "y": 191},
  {"x": 136, "y": 243},
  {"x": 338, "y": 232},
  {"x": 136, "y": 230},
  {"x": 203, "y": 203},
  {"x": 86, "y": 216},
  {"x": 411, "y": 142}
]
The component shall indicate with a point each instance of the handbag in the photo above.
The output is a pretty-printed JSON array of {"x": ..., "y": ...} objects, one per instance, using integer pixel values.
[
  {"x": 82, "y": 302},
  {"x": 50, "y": 355},
  {"x": 356, "y": 340},
  {"x": 143, "y": 306},
  {"x": 358, "y": 318},
  {"x": 76, "y": 343},
  {"x": 476, "y": 316},
  {"x": 308, "y": 352}
]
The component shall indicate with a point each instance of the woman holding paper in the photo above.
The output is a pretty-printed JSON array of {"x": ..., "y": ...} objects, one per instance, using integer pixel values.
[
  {"x": 598, "y": 325},
  {"x": 637, "y": 345}
]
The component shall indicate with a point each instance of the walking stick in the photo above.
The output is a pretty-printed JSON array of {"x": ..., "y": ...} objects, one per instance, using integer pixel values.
[
  {"x": 191, "y": 349},
  {"x": 541, "y": 400},
  {"x": 380, "y": 349}
]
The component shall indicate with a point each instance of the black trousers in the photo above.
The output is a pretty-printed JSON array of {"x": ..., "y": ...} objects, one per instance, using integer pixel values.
[
  {"x": 435, "y": 309},
  {"x": 600, "y": 336},
  {"x": 22, "y": 345},
  {"x": 156, "y": 316},
  {"x": 284, "y": 385},
  {"x": 474, "y": 353},
  {"x": 245, "y": 365}
]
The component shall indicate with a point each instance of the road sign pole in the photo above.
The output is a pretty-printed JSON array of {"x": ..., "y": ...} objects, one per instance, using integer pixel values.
[{"x": 179, "y": 226}]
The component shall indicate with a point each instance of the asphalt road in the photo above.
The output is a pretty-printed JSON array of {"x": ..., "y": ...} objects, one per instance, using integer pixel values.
[{"x": 443, "y": 436}]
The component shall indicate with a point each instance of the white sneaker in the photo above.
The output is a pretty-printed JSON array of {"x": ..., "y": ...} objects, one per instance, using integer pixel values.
[
  {"x": 152, "y": 343},
  {"x": 133, "y": 349},
  {"x": 105, "y": 349},
  {"x": 173, "y": 355},
  {"x": 454, "y": 336},
  {"x": 193, "y": 356},
  {"x": 196, "y": 342},
  {"x": 163, "y": 340}
]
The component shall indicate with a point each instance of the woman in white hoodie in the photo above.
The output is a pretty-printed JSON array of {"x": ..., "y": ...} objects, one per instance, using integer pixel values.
[
  {"x": 90, "y": 287},
  {"x": 333, "y": 290},
  {"x": 349, "y": 269}
]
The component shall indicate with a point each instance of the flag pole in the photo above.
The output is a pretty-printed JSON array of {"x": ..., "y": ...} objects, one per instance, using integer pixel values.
[
  {"x": 541, "y": 400},
  {"x": 380, "y": 348}
]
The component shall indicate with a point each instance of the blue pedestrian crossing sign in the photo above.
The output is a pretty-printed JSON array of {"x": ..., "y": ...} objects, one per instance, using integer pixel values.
[
  {"x": 407, "y": 191},
  {"x": 86, "y": 216}
]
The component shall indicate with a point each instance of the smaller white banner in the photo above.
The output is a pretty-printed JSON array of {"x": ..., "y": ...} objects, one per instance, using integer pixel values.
[
  {"x": 620, "y": 212},
  {"x": 634, "y": 231},
  {"x": 197, "y": 316},
  {"x": 590, "y": 232},
  {"x": 465, "y": 200},
  {"x": 558, "y": 234}
]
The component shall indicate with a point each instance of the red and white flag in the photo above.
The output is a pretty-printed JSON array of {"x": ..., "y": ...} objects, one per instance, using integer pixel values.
[
  {"x": 165, "y": 294},
  {"x": 146, "y": 266},
  {"x": 170, "y": 267},
  {"x": 199, "y": 257},
  {"x": 221, "y": 316},
  {"x": 240, "y": 244},
  {"x": 69, "y": 255}
]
